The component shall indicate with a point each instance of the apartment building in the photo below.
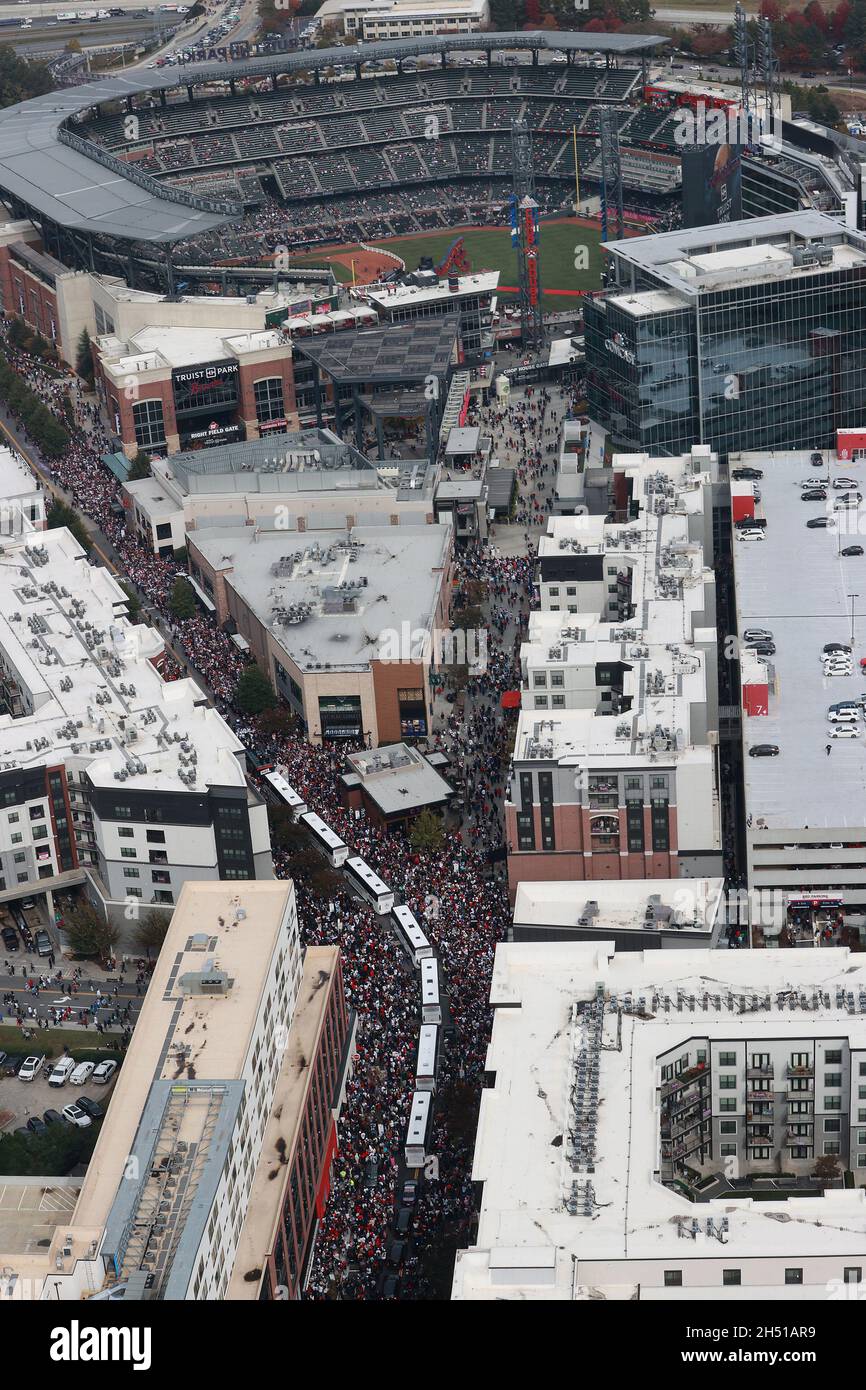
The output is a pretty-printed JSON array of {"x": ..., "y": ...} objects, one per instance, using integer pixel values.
[
  {"x": 609, "y": 1071},
  {"x": 615, "y": 765},
  {"x": 805, "y": 821},
  {"x": 110, "y": 776}
]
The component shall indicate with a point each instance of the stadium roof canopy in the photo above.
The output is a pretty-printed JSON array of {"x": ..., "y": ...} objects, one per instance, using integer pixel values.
[{"x": 81, "y": 188}]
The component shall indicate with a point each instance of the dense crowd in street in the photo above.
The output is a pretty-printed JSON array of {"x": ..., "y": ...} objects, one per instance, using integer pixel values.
[{"x": 457, "y": 890}]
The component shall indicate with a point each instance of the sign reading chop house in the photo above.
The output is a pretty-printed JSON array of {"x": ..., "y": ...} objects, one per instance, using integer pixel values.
[{"x": 205, "y": 388}]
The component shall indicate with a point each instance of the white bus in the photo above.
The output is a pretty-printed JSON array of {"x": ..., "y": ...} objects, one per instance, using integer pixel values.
[
  {"x": 335, "y": 850},
  {"x": 431, "y": 1009},
  {"x": 369, "y": 884},
  {"x": 410, "y": 935},
  {"x": 428, "y": 1058},
  {"x": 285, "y": 795},
  {"x": 418, "y": 1129}
]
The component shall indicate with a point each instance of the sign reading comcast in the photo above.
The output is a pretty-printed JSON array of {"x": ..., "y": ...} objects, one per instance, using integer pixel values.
[{"x": 616, "y": 344}]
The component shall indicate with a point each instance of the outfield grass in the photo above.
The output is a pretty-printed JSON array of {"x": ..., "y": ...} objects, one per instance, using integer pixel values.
[{"x": 491, "y": 249}]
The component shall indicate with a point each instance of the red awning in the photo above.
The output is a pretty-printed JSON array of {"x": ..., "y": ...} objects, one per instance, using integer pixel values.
[{"x": 510, "y": 699}]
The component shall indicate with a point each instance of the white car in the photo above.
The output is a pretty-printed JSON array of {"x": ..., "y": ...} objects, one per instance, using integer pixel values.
[
  {"x": 838, "y": 670},
  {"x": 844, "y": 484},
  {"x": 61, "y": 1071},
  {"x": 841, "y": 716},
  {"x": 104, "y": 1072},
  {"x": 82, "y": 1073},
  {"x": 813, "y": 482},
  {"x": 757, "y": 634},
  {"x": 750, "y": 535},
  {"x": 843, "y": 731},
  {"x": 30, "y": 1068},
  {"x": 74, "y": 1115}
]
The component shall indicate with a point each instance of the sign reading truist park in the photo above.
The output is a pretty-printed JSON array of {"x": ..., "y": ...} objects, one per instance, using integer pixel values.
[{"x": 210, "y": 386}]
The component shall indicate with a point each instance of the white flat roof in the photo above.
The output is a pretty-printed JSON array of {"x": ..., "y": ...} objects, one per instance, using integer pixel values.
[
  {"x": 521, "y": 1144},
  {"x": 74, "y": 685},
  {"x": 620, "y": 904}
]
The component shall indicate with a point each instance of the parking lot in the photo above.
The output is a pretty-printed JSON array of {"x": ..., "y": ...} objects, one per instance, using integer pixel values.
[{"x": 26, "y": 1098}]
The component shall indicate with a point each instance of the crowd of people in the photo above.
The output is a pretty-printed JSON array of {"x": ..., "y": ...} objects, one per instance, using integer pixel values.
[{"x": 457, "y": 888}]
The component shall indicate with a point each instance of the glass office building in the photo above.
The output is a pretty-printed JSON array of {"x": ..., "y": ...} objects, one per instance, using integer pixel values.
[{"x": 750, "y": 335}]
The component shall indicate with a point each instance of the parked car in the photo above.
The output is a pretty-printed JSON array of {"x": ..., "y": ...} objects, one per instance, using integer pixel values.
[
  {"x": 757, "y": 634},
  {"x": 403, "y": 1224},
  {"x": 853, "y": 550},
  {"x": 763, "y": 750},
  {"x": 845, "y": 484},
  {"x": 847, "y": 715},
  {"x": 10, "y": 938},
  {"x": 397, "y": 1253},
  {"x": 37, "y": 1125},
  {"x": 104, "y": 1072},
  {"x": 753, "y": 534},
  {"x": 91, "y": 1108},
  {"x": 390, "y": 1286},
  {"x": 813, "y": 494},
  {"x": 74, "y": 1115},
  {"x": 82, "y": 1073},
  {"x": 42, "y": 942},
  {"x": 818, "y": 523},
  {"x": 30, "y": 1068},
  {"x": 52, "y": 1117},
  {"x": 843, "y": 731},
  {"x": 836, "y": 647},
  {"x": 27, "y": 904},
  {"x": 62, "y": 1071}
]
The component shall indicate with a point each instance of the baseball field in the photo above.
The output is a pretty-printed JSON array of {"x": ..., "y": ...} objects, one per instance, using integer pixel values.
[{"x": 569, "y": 255}]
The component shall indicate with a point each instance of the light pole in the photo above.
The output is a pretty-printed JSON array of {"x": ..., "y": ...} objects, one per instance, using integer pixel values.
[{"x": 852, "y": 598}]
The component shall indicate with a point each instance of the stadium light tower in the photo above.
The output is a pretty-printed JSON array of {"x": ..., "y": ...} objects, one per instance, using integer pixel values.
[
  {"x": 525, "y": 236},
  {"x": 611, "y": 172}
]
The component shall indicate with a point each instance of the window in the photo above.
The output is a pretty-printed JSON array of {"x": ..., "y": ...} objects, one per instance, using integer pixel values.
[
  {"x": 163, "y": 531},
  {"x": 727, "y": 1059},
  {"x": 728, "y": 1127},
  {"x": 760, "y": 1061},
  {"x": 835, "y": 1056},
  {"x": 161, "y": 895},
  {"x": 37, "y": 812},
  {"x": 832, "y": 1102},
  {"x": 673, "y": 1278},
  {"x": 126, "y": 832},
  {"x": 156, "y": 837},
  {"x": 541, "y": 702},
  {"x": 147, "y": 417},
  {"x": 557, "y": 702},
  {"x": 832, "y": 1078},
  {"x": 793, "y": 1276},
  {"x": 728, "y": 1150},
  {"x": 832, "y": 1126},
  {"x": 131, "y": 873},
  {"x": 133, "y": 892},
  {"x": 20, "y": 859},
  {"x": 17, "y": 838},
  {"x": 853, "y": 1274},
  {"x": 761, "y": 1152},
  {"x": 557, "y": 679},
  {"x": 800, "y": 1059},
  {"x": 554, "y": 591},
  {"x": 832, "y": 1146},
  {"x": 727, "y": 1103},
  {"x": 727, "y": 1083},
  {"x": 539, "y": 678},
  {"x": 731, "y": 1277},
  {"x": 160, "y": 876},
  {"x": 126, "y": 853},
  {"x": 268, "y": 394}
]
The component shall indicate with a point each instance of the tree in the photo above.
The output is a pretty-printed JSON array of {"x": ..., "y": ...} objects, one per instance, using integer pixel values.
[
  {"x": 140, "y": 467},
  {"x": 59, "y": 514},
  {"x": 182, "y": 601},
  {"x": 89, "y": 934},
  {"x": 254, "y": 692},
  {"x": 426, "y": 834},
  {"x": 279, "y": 720},
  {"x": 151, "y": 930},
  {"x": 827, "y": 1168}
]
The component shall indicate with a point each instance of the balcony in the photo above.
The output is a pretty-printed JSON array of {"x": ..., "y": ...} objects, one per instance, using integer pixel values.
[
  {"x": 802, "y": 1071},
  {"x": 755, "y": 1073},
  {"x": 765, "y": 1116},
  {"x": 802, "y": 1093},
  {"x": 762, "y": 1093},
  {"x": 699, "y": 1073}
]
